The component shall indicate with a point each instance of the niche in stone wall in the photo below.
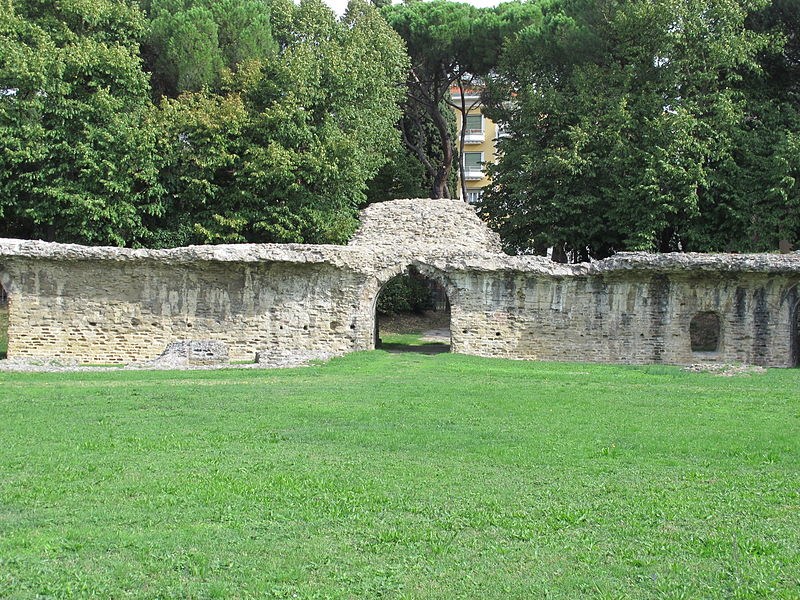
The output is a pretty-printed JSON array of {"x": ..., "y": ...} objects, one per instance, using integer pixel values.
[
  {"x": 412, "y": 314},
  {"x": 3, "y": 322},
  {"x": 704, "y": 332}
]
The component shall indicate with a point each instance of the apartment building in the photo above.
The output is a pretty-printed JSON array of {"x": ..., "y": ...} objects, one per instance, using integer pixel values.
[{"x": 480, "y": 141}]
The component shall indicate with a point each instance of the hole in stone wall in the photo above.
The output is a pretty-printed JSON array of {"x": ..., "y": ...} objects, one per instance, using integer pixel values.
[
  {"x": 412, "y": 314},
  {"x": 704, "y": 332},
  {"x": 3, "y": 322}
]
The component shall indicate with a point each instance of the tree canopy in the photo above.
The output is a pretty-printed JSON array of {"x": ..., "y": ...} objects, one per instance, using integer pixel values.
[
  {"x": 638, "y": 125},
  {"x": 264, "y": 121},
  {"x": 76, "y": 161},
  {"x": 646, "y": 126}
]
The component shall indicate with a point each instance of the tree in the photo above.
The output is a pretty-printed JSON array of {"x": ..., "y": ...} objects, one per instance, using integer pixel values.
[
  {"x": 764, "y": 181},
  {"x": 282, "y": 152},
  {"x": 186, "y": 44},
  {"x": 191, "y": 41},
  {"x": 450, "y": 44},
  {"x": 643, "y": 165},
  {"x": 273, "y": 140},
  {"x": 437, "y": 35},
  {"x": 77, "y": 164}
]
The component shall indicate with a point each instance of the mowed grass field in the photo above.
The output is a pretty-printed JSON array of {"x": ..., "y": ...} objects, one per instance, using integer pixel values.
[{"x": 384, "y": 475}]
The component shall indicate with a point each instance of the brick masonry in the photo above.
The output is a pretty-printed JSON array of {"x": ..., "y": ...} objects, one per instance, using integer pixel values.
[{"x": 112, "y": 305}]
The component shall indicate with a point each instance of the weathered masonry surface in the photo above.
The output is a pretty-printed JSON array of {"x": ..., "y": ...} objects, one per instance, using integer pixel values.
[{"x": 101, "y": 305}]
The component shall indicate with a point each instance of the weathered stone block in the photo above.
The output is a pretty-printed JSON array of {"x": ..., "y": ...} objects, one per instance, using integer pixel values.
[{"x": 194, "y": 352}]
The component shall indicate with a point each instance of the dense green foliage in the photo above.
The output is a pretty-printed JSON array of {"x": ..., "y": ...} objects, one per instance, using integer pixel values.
[
  {"x": 77, "y": 162},
  {"x": 190, "y": 41},
  {"x": 639, "y": 125},
  {"x": 283, "y": 152},
  {"x": 649, "y": 126},
  {"x": 263, "y": 120},
  {"x": 404, "y": 294},
  {"x": 401, "y": 476}
]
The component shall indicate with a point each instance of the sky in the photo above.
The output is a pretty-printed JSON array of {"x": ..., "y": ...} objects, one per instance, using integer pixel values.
[{"x": 339, "y": 5}]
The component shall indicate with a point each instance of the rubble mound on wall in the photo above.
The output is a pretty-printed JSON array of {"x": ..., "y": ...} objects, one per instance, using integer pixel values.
[
  {"x": 448, "y": 225},
  {"x": 193, "y": 352}
]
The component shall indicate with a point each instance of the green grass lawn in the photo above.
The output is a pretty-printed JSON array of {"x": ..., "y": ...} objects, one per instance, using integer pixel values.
[
  {"x": 411, "y": 342},
  {"x": 383, "y": 475}
]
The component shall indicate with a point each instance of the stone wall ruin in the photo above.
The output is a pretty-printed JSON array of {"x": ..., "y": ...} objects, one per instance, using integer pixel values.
[{"x": 112, "y": 305}]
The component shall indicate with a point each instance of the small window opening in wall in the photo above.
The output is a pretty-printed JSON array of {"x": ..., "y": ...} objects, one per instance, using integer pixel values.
[
  {"x": 3, "y": 322},
  {"x": 412, "y": 314},
  {"x": 704, "y": 332}
]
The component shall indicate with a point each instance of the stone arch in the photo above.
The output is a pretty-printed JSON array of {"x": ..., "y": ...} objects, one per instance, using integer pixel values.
[
  {"x": 705, "y": 332},
  {"x": 793, "y": 298},
  {"x": 790, "y": 306},
  {"x": 376, "y": 284}
]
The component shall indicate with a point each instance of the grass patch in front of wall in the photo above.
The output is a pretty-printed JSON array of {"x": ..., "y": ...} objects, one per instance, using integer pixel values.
[{"x": 401, "y": 475}]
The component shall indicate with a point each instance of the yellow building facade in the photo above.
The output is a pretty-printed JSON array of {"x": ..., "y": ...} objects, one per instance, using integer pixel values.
[{"x": 480, "y": 145}]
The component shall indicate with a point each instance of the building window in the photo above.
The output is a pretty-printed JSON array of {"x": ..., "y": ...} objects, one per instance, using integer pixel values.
[
  {"x": 473, "y": 130},
  {"x": 474, "y": 196},
  {"x": 704, "y": 332},
  {"x": 3, "y": 297},
  {"x": 473, "y": 165},
  {"x": 474, "y": 123}
]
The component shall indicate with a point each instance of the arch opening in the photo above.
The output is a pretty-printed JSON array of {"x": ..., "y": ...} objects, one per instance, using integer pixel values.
[
  {"x": 704, "y": 332},
  {"x": 412, "y": 314},
  {"x": 3, "y": 322}
]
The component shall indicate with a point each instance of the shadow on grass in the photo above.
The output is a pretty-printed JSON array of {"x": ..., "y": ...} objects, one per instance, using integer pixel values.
[{"x": 424, "y": 348}]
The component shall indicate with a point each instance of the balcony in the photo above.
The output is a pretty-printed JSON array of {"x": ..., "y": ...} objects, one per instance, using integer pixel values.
[
  {"x": 473, "y": 173},
  {"x": 474, "y": 136}
]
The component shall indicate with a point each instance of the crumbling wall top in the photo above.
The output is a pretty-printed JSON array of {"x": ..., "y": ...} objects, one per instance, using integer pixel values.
[
  {"x": 425, "y": 225},
  {"x": 674, "y": 262},
  {"x": 245, "y": 253},
  {"x": 446, "y": 234}
]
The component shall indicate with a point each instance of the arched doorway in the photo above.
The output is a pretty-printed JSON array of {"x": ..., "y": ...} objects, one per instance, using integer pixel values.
[
  {"x": 3, "y": 322},
  {"x": 412, "y": 314},
  {"x": 791, "y": 296}
]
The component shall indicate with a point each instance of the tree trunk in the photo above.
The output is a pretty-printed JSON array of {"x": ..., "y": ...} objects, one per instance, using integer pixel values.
[{"x": 440, "y": 188}]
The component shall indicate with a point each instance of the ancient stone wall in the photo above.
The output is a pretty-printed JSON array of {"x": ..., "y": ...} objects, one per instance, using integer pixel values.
[
  {"x": 637, "y": 317},
  {"x": 102, "y": 311},
  {"x": 110, "y": 305}
]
